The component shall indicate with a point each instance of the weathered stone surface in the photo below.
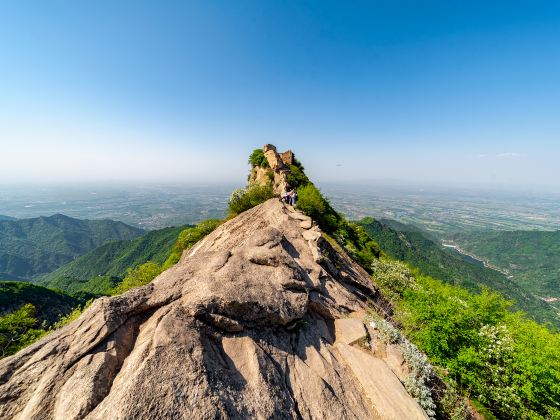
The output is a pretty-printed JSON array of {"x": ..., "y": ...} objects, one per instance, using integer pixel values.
[
  {"x": 260, "y": 175},
  {"x": 306, "y": 224},
  {"x": 299, "y": 216},
  {"x": 395, "y": 361},
  {"x": 349, "y": 330},
  {"x": 381, "y": 386},
  {"x": 241, "y": 327},
  {"x": 311, "y": 234},
  {"x": 287, "y": 157}
]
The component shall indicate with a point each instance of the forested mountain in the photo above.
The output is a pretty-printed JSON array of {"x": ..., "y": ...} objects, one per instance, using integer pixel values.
[
  {"x": 531, "y": 257},
  {"x": 2, "y": 217},
  {"x": 102, "y": 268},
  {"x": 49, "y": 304},
  {"x": 31, "y": 247},
  {"x": 409, "y": 244}
]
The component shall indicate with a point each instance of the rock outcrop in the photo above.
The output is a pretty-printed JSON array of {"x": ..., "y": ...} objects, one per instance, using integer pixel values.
[
  {"x": 263, "y": 318},
  {"x": 277, "y": 171}
]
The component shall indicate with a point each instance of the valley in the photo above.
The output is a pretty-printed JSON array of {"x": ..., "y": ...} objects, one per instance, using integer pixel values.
[
  {"x": 530, "y": 257},
  {"x": 443, "y": 211}
]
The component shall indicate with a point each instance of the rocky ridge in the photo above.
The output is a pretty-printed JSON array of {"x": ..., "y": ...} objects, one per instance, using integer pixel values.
[{"x": 263, "y": 318}]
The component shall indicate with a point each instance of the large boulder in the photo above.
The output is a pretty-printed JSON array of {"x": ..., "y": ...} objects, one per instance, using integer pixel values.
[{"x": 246, "y": 325}]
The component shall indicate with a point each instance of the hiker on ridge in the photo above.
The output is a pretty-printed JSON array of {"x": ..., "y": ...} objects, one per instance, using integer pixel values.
[
  {"x": 286, "y": 196},
  {"x": 293, "y": 197}
]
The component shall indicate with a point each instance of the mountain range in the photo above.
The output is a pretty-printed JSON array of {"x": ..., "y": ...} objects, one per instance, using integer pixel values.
[
  {"x": 33, "y": 247},
  {"x": 101, "y": 269}
]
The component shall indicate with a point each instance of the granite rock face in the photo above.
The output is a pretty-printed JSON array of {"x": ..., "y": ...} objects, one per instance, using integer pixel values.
[
  {"x": 277, "y": 172},
  {"x": 251, "y": 323}
]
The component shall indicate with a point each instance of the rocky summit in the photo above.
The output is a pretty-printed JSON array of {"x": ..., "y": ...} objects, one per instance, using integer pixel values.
[{"x": 263, "y": 318}]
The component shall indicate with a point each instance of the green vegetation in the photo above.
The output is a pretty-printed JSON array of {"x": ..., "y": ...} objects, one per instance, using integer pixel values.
[
  {"x": 100, "y": 270},
  {"x": 358, "y": 244},
  {"x": 188, "y": 237},
  {"x": 480, "y": 346},
  {"x": 313, "y": 204},
  {"x": 49, "y": 304},
  {"x": 258, "y": 158},
  {"x": 22, "y": 327},
  {"x": 351, "y": 236},
  {"x": 531, "y": 257},
  {"x": 30, "y": 247},
  {"x": 19, "y": 329},
  {"x": 410, "y": 245},
  {"x": 244, "y": 199},
  {"x": 74, "y": 314},
  {"x": 506, "y": 362},
  {"x": 138, "y": 276},
  {"x": 296, "y": 177}
]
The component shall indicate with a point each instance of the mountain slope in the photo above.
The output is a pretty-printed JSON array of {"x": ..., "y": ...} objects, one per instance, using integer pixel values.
[
  {"x": 410, "y": 245},
  {"x": 531, "y": 257},
  {"x": 31, "y": 247},
  {"x": 50, "y": 304},
  {"x": 100, "y": 269},
  {"x": 253, "y": 322}
]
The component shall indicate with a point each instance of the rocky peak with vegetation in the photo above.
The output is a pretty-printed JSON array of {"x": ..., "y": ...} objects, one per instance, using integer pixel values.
[
  {"x": 270, "y": 167},
  {"x": 265, "y": 317}
]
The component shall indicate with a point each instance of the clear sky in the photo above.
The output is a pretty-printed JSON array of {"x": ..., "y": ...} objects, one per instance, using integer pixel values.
[{"x": 464, "y": 92}]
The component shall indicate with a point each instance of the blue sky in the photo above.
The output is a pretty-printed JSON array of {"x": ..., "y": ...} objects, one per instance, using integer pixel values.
[{"x": 460, "y": 92}]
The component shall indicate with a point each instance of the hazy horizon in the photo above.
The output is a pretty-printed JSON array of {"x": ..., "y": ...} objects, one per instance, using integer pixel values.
[{"x": 383, "y": 183}]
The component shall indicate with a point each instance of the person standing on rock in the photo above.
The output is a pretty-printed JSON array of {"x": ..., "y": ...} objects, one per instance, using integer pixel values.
[
  {"x": 293, "y": 197},
  {"x": 286, "y": 197}
]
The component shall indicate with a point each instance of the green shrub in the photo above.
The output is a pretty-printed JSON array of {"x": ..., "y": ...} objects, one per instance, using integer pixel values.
[
  {"x": 313, "y": 204},
  {"x": 188, "y": 237},
  {"x": 298, "y": 164},
  {"x": 296, "y": 178},
  {"x": 19, "y": 329},
  {"x": 245, "y": 198},
  {"x": 357, "y": 242},
  {"x": 75, "y": 314},
  {"x": 258, "y": 158},
  {"x": 138, "y": 276}
]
